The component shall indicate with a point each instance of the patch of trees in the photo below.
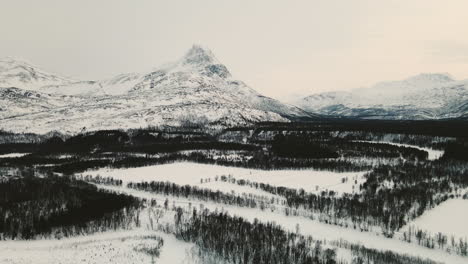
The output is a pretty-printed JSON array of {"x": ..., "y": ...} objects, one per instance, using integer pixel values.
[
  {"x": 305, "y": 145},
  {"x": 144, "y": 137},
  {"x": 136, "y": 141},
  {"x": 154, "y": 249},
  {"x": 18, "y": 148},
  {"x": 389, "y": 199},
  {"x": 440, "y": 128},
  {"x": 101, "y": 180},
  {"x": 258, "y": 160},
  {"x": 378, "y": 150},
  {"x": 174, "y": 147},
  {"x": 30, "y": 138},
  {"x": 239, "y": 241},
  {"x": 297, "y": 149},
  {"x": 61, "y": 206},
  {"x": 188, "y": 191},
  {"x": 236, "y": 240},
  {"x": 457, "y": 151},
  {"x": 85, "y": 143},
  {"x": 301, "y": 147},
  {"x": 437, "y": 240},
  {"x": 363, "y": 255}
]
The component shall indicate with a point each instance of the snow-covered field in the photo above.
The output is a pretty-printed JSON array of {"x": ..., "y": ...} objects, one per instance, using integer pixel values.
[
  {"x": 13, "y": 155},
  {"x": 433, "y": 154},
  {"x": 449, "y": 218},
  {"x": 308, "y": 227},
  {"x": 192, "y": 173},
  {"x": 120, "y": 247}
]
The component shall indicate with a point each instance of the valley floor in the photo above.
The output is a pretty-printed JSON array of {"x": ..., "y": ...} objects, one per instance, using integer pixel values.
[
  {"x": 133, "y": 245},
  {"x": 120, "y": 247},
  {"x": 203, "y": 175},
  {"x": 308, "y": 227},
  {"x": 449, "y": 218}
]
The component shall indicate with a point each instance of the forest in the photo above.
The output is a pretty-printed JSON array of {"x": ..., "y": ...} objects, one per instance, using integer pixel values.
[
  {"x": 60, "y": 207},
  {"x": 236, "y": 240},
  {"x": 44, "y": 192}
]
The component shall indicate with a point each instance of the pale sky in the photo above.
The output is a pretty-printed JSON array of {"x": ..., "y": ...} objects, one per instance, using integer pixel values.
[{"x": 278, "y": 47}]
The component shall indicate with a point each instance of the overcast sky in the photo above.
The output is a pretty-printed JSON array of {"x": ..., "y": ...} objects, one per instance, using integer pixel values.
[{"x": 278, "y": 47}]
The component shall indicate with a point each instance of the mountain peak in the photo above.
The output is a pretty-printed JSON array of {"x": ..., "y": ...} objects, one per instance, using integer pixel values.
[{"x": 199, "y": 55}]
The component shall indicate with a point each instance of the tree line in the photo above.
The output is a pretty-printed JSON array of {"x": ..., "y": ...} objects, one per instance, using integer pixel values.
[
  {"x": 188, "y": 191},
  {"x": 236, "y": 240},
  {"x": 240, "y": 241},
  {"x": 61, "y": 206}
]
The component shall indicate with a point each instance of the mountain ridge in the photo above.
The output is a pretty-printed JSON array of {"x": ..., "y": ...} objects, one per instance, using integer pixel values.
[
  {"x": 196, "y": 89},
  {"x": 423, "y": 96}
]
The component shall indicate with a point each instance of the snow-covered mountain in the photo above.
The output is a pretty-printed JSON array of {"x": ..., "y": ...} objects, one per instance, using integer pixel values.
[
  {"x": 21, "y": 74},
  {"x": 195, "y": 89},
  {"x": 16, "y": 102},
  {"x": 425, "y": 96}
]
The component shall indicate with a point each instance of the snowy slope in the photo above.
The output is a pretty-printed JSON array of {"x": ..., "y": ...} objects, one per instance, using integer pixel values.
[
  {"x": 425, "y": 96},
  {"x": 197, "y": 89},
  {"x": 21, "y": 74},
  {"x": 16, "y": 102}
]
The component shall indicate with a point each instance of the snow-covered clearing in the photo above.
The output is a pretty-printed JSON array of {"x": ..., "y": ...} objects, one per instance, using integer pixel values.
[
  {"x": 433, "y": 154},
  {"x": 118, "y": 247},
  {"x": 308, "y": 227},
  {"x": 192, "y": 173},
  {"x": 449, "y": 218},
  {"x": 13, "y": 155}
]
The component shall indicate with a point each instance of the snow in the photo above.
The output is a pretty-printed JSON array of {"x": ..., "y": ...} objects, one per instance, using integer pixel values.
[
  {"x": 433, "y": 154},
  {"x": 13, "y": 155},
  {"x": 22, "y": 74},
  {"x": 309, "y": 227},
  {"x": 449, "y": 218},
  {"x": 116, "y": 247},
  {"x": 191, "y": 173},
  {"x": 196, "y": 88},
  {"x": 424, "y": 96}
]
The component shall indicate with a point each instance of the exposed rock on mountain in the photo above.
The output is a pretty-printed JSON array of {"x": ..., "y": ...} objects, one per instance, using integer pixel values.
[{"x": 195, "y": 90}]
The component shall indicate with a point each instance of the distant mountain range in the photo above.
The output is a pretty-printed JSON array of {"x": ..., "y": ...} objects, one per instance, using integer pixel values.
[
  {"x": 195, "y": 90},
  {"x": 425, "y": 96},
  {"x": 199, "y": 90}
]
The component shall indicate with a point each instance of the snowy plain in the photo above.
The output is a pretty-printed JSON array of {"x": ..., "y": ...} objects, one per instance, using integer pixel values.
[
  {"x": 192, "y": 173},
  {"x": 449, "y": 218},
  {"x": 89, "y": 249},
  {"x": 13, "y": 155},
  {"x": 116, "y": 247},
  {"x": 307, "y": 227}
]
